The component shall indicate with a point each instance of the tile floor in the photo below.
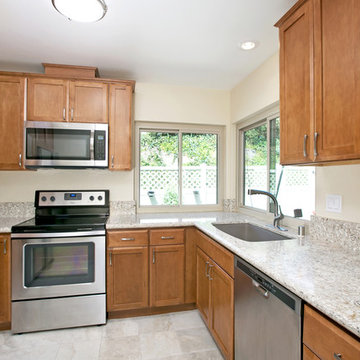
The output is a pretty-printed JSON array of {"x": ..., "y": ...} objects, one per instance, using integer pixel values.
[{"x": 175, "y": 336}]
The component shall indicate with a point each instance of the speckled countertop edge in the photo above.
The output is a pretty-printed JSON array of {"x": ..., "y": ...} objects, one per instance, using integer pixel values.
[{"x": 318, "y": 272}]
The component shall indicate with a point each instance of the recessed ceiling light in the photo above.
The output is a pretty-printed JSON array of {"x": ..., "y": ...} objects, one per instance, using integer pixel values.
[
  {"x": 247, "y": 45},
  {"x": 81, "y": 10}
]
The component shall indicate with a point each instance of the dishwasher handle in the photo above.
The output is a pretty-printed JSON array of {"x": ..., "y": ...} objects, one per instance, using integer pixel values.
[{"x": 260, "y": 289}]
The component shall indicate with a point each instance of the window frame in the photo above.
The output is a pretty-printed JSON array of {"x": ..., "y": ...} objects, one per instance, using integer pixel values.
[
  {"x": 262, "y": 117},
  {"x": 180, "y": 129}
]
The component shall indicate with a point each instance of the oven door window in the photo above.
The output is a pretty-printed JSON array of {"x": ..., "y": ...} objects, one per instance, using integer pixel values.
[
  {"x": 58, "y": 144},
  {"x": 59, "y": 264}
]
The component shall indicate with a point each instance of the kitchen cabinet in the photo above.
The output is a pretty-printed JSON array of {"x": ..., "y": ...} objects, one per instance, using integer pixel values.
[
  {"x": 326, "y": 340},
  {"x": 127, "y": 270},
  {"x": 167, "y": 267},
  {"x": 320, "y": 82},
  {"x": 120, "y": 127},
  {"x": 12, "y": 95},
  {"x": 5, "y": 282},
  {"x": 65, "y": 100},
  {"x": 308, "y": 354},
  {"x": 215, "y": 294}
]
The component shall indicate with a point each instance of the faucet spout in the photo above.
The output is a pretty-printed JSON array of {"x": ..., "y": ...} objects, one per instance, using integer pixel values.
[{"x": 278, "y": 215}]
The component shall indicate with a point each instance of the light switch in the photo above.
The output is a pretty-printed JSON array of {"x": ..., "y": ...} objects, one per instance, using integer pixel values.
[{"x": 333, "y": 203}]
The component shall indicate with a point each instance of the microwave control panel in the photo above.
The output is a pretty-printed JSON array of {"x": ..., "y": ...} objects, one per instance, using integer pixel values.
[{"x": 99, "y": 145}]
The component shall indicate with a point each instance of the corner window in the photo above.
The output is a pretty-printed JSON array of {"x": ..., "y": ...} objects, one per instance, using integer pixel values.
[
  {"x": 178, "y": 168},
  {"x": 293, "y": 186}
]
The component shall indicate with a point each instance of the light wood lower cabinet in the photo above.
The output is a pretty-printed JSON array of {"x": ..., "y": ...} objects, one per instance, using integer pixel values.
[
  {"x": 166, "y": 275},
  {"x": 127, "y": 278},
  {"x": 5, "y": 282},
  {"x": 327, "y": 340},
  {"x": 215, "y": 301},
  {"x": 308, "y": 354}
]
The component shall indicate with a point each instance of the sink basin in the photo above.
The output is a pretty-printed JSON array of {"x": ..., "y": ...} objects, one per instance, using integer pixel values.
[{"x": 250, "y": 232}]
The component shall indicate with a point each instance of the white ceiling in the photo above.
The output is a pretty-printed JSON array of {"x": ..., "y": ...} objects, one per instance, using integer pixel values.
[{"x": 183, "y": 42}]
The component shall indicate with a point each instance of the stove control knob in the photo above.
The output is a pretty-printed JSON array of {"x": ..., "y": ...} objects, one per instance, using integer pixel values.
[
  {"x": 100, "y": 197},
  {"x": 52, "y": 198},
  {"x": 91, "y": 198},
  {"x": 43, "y": 198}
]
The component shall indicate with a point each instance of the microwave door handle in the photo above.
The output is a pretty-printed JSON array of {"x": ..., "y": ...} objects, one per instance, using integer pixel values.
[{"x": 92, "y": 145}]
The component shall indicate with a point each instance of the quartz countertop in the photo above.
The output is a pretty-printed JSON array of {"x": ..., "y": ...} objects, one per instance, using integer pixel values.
[{"x": 325, "y": 275}]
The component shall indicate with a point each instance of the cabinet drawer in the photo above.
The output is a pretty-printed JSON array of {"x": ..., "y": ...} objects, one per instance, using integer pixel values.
[
  {"x": 166, "y": 236},
  {"x": 223, "y": 257},
  {"x": 127, "y": 238},
  {"x": 325, "y": 338}
]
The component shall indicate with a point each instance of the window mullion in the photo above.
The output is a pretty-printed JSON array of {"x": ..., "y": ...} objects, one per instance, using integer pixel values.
[
  {"x": 180, "y": 168},
  {"x": 268, "y": 160}
]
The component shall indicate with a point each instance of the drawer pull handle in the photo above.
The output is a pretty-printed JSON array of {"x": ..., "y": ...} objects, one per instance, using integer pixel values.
[
  {"x": 261, "y": 290},
  {"x": 206, "y": 269},
  {"x": 20, "y": 160},
  {"x": 4, "y": 246},
  {"x": 316, "y": 135},
  {"x": 72, "y": 114},
  {"x": 110, "y": 259},
  {"x": 153, "y": 256},
  {"x": 112, "y": 161},
  {"x": 210, "y": 266},
  {"x": 337, "y": 356},
  {"x": 128, "y": 239},
  {"x": 64, "y": 114},
  {"x": 167, "y": 237},
  {"x": 305, "y": 140}
]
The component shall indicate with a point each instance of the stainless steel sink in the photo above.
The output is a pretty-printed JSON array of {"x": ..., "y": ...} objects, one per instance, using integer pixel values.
[{"x": 250, "y": 232}]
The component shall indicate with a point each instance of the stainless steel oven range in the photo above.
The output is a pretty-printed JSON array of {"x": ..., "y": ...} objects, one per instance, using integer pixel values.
[{"x": 58, "y": 262}]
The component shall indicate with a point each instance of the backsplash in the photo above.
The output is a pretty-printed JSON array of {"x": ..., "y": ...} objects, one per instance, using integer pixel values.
[
  {"x": 17, "y": 209},
  {"x": 122, "y": 207},
  {"x": 344, "y": 233},
  {"x": 229, "y": 205}
]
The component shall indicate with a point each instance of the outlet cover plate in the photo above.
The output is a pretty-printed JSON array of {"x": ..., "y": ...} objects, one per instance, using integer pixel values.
[{"x": 333, "y": 203}]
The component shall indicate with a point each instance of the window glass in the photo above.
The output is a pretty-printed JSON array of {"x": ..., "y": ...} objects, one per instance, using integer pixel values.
[
  {"x": 255, "y": 165},
  {"x": 293, "y": 186},
  {"x": 199, "y": 169},
  {"x": 163, "y": 179},
  {"x": 159, "y": 168}
]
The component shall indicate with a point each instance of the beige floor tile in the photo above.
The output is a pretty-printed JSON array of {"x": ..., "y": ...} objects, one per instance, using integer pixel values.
[
  {"x": 80, "y": 350},
  {"x": 196, "y": 339},
  {"x": 34, "y": 353},
  {"x": 201, "y": 355},
  {"x": 155, "y": 323},
  {"x": 123, "y": 348},
  {"x": 158, "y": 345},
  {"x": 186, "y": 320},
  {"x": 121, "y": 327}
]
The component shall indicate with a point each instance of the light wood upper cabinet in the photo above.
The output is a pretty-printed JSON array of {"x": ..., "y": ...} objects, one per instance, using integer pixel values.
[
  {"x": 65, "y": 100},
  {"x": 47, "y": 99},
  {"x": 320, "y": 82},
  {"x": 166, "y": 275},
  {"x": 120, "y": 127},
  {"x": 296, "y": 99},
  {"x": 5, "y": 281},
  {"x": 88, "y": 102},
  {"x": 12, "y": 92}
]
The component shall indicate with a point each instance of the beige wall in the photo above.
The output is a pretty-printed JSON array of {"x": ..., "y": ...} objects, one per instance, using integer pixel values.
[{"x": 153, "y": 102}]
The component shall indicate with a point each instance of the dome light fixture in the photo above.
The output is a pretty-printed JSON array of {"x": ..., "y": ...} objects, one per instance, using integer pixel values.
[
  {"x": 247, "y": 45},
  {"x": 81, "y": 10}
]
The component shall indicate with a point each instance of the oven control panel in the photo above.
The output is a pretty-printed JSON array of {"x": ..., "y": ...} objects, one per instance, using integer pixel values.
[{"x": 71, "y": 198}]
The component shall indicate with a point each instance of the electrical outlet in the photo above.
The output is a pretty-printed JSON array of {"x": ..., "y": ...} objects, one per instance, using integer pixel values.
[{"x": 333, "y": 203}]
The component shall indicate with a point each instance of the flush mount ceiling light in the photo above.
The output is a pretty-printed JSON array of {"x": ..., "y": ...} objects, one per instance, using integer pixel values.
[
  {"x": 81, "y": 10},
  {"x": 247, "y": 45}
]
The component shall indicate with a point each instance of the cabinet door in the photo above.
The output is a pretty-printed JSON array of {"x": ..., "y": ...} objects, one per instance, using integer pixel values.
[
  {"x": 120, "y": 128},
  {"x": 127, "y": 278},
  {"x": 5, "y": 300},
  {"x": 12, "y": 92},
  {"x": 202, "y": 284},
  {"x": 47, "y": 99},
  {"x": 296, "y": 78},
  {"x": 222, "y": 308},
  {"x": 308, "y": 354},
  {"x": 166, "y": 275},
  {"x": 88, "y": 102},
  {"x": 337, "y": 71}
]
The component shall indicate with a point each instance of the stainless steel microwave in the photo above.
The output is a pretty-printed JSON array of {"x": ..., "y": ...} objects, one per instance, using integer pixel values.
[{"x": 65, "y": 145}]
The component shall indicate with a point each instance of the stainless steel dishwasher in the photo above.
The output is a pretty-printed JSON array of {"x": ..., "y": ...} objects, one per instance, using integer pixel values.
[{"x": 267, "y": 317}]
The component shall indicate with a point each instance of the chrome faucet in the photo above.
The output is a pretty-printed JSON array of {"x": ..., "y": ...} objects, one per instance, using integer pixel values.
[{"x": 278, "y": 215}]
